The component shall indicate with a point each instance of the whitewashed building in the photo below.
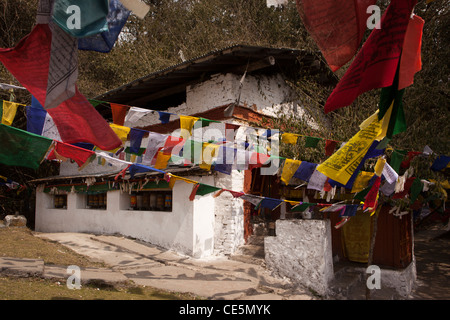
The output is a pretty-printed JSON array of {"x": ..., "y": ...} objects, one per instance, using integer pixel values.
[{"x": 237, "y": 85}]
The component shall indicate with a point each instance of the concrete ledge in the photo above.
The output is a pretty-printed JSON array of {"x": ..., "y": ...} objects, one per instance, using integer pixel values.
[
  {"x": 301, "y": 251},
  {"x": 21, "y": 267}
]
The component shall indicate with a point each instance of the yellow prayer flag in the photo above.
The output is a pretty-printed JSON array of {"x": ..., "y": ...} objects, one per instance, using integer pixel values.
[
  {"x": 290, "y": 138},
  {"x": 362, "y": 181},
  {"x": 9, "y": 112},
  {"x": 186, "y": 125},
  {"x": 343, "y": 163},
  {"x": 209, "y": 150},
  {"x": 121, "y": 131},
  {"x": 289, "y": 168},
  {"x": 379, "y": 166},
  {"x": 162, "y": 160},
  {"x": 174, "y": 178}
]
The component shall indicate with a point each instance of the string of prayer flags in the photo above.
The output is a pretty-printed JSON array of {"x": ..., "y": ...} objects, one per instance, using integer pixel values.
[
  {"x": 154, "y": 143},
  {"x": 349, "y": 210},
  {"x": 22, "y": 148},
  {"x": 361, "y": 181},
  {"x": 311, "y": 142},
  {"x": 77, "y": 154},
  {"x": 340, "y": 166},
  {"x": 257, "y": 160},
  {"x": 379, "y": 166},
  {"x": 289, "y": 169},
  {"x": 173, "y": 145},
  {"x": 377, "y": 62},
  {"x": 135, "y": 114},
  {"x": 140, "y": 168},
  {"x": 89, "y": 18},
  {"x": 162, "y": 160},
  {"x": 225, "y": 159},
  {"x": 416, "y": 189},
  {"x": 209, "y": 151},
  {"x": 371, "y": 198},
  {"x": 104, "y": 41},
  {"x": 45, "y": 127},
  {"x": 118, "y": 164},
  {"x": 206, "y": 122},
  {"x": 9, "y": 110},
  {"x": 397, "y": 157},
  {"x": 164, "y": 117},
  {"x": 121, "y": 131},
  {"x": 336, "y": 27},
  {"x": 186, "y": 125},
  {"x": 76, "y": 119},
  {"x": 253, "y": 199},
  {"x": 302, "y": 206},
  {"x": 305, "y": 170},
  {"x": 411, "y": 62},
  {"x": 330, "y": 147},
  {"x": 440, "y": 163},
  {"x": 119, "y": 112},
  {"x": 203, "y": 189},
  {"x": 289, "y": 138},
  {"x": 409, "y": 156},
  {"x": 269, "y": 203},
  {"x": 317, "y": 181},
  {"x": 135, "y": 137}
]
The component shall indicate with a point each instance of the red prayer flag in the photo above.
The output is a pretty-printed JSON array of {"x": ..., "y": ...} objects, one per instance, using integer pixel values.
[
  {"x": 77, "y": 154},
  {"x": 76, "y": 119},
  {"x": 330, "y": 146},
  {"x": 119, "y": 112},
  {"x": 257, "y": 160},
  {"x": 411, "y": 62},
  {"x": 337, "y": 27},
  {"x": 376, "y": 63},
  {"x": 371, "y": 197},
  {"x": 171, "y": 143}
]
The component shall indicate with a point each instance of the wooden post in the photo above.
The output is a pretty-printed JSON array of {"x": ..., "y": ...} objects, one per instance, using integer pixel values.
[{"x": 372, "y": 246}]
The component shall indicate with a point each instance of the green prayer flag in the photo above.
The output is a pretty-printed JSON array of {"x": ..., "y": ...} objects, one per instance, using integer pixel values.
[
  {"x": 397, "y": 122},
  {"x": 21, "y": 148},
  {"x": 206, "y": 122},
  {"x": 397, "y": 157},
  {"x": 416, "y": 188},
  {"x": 81, "y": 18},
  {"x": 362, "y": 194},
  {"x": 311, "y": 142},
  {"x": 205, "y": 189},
  {"x": 302, "y": 207}
]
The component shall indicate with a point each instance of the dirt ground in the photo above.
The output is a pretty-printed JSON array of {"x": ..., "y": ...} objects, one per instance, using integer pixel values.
[{"x": 432, "y": 254}]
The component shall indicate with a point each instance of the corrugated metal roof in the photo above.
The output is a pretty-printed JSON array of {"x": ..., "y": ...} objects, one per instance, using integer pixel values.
[{"x": 141, "y": 92}]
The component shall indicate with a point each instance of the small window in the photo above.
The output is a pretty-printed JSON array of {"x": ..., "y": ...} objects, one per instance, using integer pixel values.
[
  {"x": 151, "y": 200},
  {"x": 96, "y": 201},
  {"x": 60, "y": 201}
]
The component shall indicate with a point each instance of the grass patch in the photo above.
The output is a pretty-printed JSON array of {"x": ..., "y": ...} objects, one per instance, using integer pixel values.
[
  {"x": 19, "y": 242},
  {"x": 42, "y": 289}
]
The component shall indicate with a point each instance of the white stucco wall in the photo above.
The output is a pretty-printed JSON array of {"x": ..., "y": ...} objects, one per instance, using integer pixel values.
[
  {"x": 229, "y": 214},
  {"x": 188, "y": 229},
  {"x": 301, "y": 251}
]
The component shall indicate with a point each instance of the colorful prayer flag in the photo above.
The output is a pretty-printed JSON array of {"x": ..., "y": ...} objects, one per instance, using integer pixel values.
[
  {"x": 376, "y": 63},
  {"x": 289, "y": 168},
  {"x": 337, "y": 27},
  {"x": 411, "y": 62},
  {"x": 9, "y": 110},
  {"x": 81, "y": 18},
  {"x": 119, "y": 112},
  {"x": 104, "y": 41},
  {"x": 22, "y": 148},
  {"x": 76, "y": 119}
]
